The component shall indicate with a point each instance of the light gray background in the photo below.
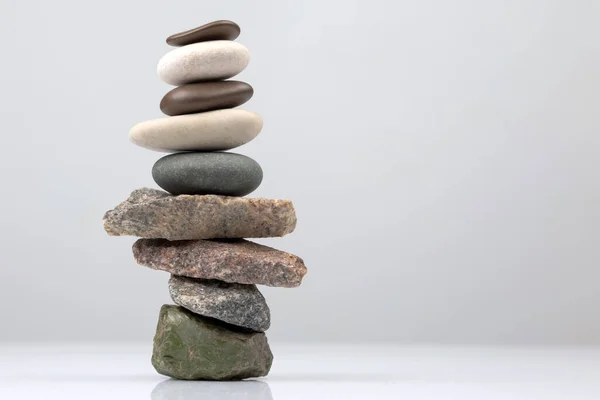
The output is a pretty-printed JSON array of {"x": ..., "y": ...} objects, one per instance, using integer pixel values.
[{"x": 442, "y": 157}]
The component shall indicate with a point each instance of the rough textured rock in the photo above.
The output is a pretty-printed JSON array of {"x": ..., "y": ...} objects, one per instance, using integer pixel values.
[
  {"x": 207, "y": 131},
  {"x": 151, "y": 213},
  {"x": 241, "y": 305},
  {"x": 204, "y": 61},
  {"x": 205, "y": 96},
  {"x": 236, "y": 261},
  {"x": 188, "y": 346},
  {"x": 216, "y": 30},
  {"x": 227, "y": 174},
  {"x": 172, "y": 389}
]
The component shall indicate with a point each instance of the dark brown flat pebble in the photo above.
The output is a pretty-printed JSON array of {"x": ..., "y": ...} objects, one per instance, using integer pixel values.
[
  {"x": 205, "y": 96},
  {"x": 216, "y": 30}
]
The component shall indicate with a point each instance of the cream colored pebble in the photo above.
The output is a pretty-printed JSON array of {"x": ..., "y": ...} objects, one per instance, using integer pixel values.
[
  {"x": 207, "y": 131},
  {"x": 213, "y": 60}
]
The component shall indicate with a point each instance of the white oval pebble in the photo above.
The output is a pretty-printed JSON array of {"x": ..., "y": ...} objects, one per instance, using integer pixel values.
[
  {"x": 207, "y": 131},
  {"x": 217, "y": 59}
]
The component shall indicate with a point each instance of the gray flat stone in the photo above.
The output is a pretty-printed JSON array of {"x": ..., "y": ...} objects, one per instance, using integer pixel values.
[
  {"x": 151, "y": 213},
  {"x": 241, "y": 305}
]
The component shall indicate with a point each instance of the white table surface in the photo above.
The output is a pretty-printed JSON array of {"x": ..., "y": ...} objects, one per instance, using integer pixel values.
[{"x": 308, "y": 372}]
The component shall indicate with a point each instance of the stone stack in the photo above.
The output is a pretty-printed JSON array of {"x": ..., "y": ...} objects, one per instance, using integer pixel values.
[{"x": 196, "y": 230}]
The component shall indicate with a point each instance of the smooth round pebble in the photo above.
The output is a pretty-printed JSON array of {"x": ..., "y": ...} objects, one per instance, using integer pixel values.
[
  {"x": 205, "y": 96},
  {"x": 227, "y": 174},
  {"x": 204, "y": 61},
  {"x": 216, "y": 30},
  {"x": 208, "y": 131}
]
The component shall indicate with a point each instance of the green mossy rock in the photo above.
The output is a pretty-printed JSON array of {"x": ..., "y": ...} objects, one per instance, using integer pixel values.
[{"x": 188, "y": 346}]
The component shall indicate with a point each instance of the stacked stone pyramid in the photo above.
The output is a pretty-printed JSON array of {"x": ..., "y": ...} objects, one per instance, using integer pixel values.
[{"x": 196, "y": 228}]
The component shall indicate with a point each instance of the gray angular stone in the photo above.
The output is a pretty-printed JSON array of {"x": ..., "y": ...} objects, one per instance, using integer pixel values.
[
  {"x": 188, "y": 346},
  {"x": 151, "y": 213},
  {"x": 235, "y": 261},
  {"x": 226, "y": 174},
  {"x": 240, "y": 305}
]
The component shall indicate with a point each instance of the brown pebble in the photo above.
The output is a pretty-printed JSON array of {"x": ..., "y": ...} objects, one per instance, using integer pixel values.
[
  {"x": 216, "y": 30},
  {"x": 205, "y": 96}
]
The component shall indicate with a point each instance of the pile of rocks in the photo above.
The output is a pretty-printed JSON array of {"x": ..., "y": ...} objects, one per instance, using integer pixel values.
[{"x": 196, "y": 231}]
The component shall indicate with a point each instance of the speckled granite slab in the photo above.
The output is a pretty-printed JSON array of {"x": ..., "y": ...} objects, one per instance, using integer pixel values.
[{"x": 151, "y": 213}]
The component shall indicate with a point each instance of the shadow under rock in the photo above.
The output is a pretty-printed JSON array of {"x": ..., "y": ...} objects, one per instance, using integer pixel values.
[
  {"x": 173, "y": 389},
  {"x": 341, "y": 377}
]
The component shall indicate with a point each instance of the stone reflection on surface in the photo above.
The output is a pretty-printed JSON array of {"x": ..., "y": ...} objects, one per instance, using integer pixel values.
[{"x": 172, "y": 389}]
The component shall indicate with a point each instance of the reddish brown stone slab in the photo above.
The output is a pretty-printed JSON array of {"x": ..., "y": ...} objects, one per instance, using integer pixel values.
[{"x": 235, "y": 261}]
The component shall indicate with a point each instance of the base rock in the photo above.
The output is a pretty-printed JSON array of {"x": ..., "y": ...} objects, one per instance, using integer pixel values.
[{"x": 188, "y": 346}]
